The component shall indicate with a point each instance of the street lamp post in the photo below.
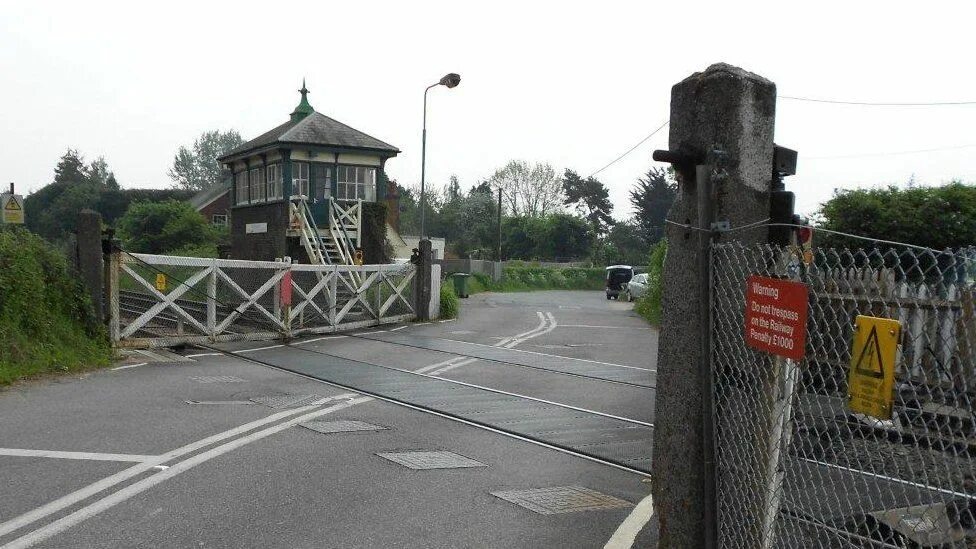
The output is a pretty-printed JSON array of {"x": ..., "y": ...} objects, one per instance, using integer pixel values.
[{"x": 450, "y": 80}]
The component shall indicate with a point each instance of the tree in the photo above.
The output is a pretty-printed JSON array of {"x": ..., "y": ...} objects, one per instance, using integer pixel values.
[
  {"x": 161, "y": 227},
  {"x": 623, "y": 244},
  {"x": 652, "y": 198},
  {"x": 196, "y": 167},
  {"x": 531, "y": 191},
  {"x": 934, "y": 217},
  {"x": 591, "y": 199},
  {"x": 52, "y": 210}
]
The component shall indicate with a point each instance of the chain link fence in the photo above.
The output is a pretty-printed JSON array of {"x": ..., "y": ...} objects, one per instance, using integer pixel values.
[
  {"x": 794, "y": 466},
  {"x": 159, "y": 300}
]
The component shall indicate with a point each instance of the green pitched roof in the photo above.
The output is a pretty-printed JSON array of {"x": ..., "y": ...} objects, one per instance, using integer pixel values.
[{"x": 307, "y": 127}]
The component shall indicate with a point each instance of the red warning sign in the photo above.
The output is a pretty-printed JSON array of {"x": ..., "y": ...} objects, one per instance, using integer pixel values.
[
  {"x": 776, "y": 316},
  {"x": 286, "y": 289}
]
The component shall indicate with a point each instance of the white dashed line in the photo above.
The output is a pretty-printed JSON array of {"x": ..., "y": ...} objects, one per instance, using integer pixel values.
[
  {"x": 126, "y": 367},
  {"x": 259, "y": 349},
  {"x": 90, "y": 456},
  {"x": 317, "y": 339}
]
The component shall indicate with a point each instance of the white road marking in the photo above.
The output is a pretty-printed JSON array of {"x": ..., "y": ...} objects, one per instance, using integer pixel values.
[
  {"x": 448, "y": 320},
  {"x": 559, "y": 356},
  {"x": 204, "y": 354},
  {"x": 627, "y": 532},
  {"x": 91, "y": 456},
  {"x": 517, "y": 339},
  {"x": 450, "y": 367},
  {"x": 136, "y": 488},
  {"x": 607, "y": 327},
  {"x": 439, "y": 364},
  {"x": 451, "y": 363},
  {"x": 399, "y": 328},
  {"x": 160, "y": 467},
  {"x": 136, "y": 470},
  {"x": 317, "y": 339},
  {"x": 126, "y": 367},
  {"x": 259, "y": 349}
]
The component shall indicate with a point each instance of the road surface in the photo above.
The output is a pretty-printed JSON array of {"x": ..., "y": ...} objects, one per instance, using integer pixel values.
[{"x": 540, "y": 405}]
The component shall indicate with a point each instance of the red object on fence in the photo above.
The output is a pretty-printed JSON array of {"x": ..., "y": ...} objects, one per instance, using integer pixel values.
[
  {"x": 286, "y": 289},
  {"x": 776, "y": 316}
]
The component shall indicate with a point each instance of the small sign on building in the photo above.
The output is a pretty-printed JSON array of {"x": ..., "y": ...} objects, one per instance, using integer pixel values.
[
  {"x": 776, "y": 316},
  {"x": 11, "y": 209},
  {"x": 871, "y": 381}
]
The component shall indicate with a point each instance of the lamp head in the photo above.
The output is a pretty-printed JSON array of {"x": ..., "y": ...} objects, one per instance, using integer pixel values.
[{"x": 450, "y": 80}]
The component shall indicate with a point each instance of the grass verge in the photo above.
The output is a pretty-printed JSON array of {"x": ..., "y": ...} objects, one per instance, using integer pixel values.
[
  {"x": 46, "y": 319},
  {"x": 649, "y": 304}
]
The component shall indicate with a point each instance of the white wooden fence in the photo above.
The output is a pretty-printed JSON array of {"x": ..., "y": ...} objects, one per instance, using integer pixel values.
[{"x": 158, "y": 300}]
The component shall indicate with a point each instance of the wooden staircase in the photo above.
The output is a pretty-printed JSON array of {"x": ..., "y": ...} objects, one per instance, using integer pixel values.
[{"x": 332, "y": 245}]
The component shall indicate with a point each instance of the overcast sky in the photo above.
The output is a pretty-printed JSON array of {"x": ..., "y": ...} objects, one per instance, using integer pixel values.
[{"x": 573, "y": 84}]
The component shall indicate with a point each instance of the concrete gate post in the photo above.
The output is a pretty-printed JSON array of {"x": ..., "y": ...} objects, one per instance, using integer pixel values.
[
  {"x": 424, "y": 261},
  {"x": 721, "y": 146},
  {"x": 88, "y": 229}
]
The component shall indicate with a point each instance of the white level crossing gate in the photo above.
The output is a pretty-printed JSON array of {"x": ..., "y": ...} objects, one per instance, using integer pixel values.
[{"x": 159, "y": 300}]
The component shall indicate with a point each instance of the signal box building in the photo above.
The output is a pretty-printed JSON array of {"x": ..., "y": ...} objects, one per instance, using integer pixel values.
[{"x": 298, "y": 190}]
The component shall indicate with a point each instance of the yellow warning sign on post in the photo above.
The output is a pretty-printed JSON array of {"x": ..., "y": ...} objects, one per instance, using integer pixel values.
[
  {"x": 12, "y": 208},
  {"x": 161, "y": 282},
  {"x": 871, "y": 382}
]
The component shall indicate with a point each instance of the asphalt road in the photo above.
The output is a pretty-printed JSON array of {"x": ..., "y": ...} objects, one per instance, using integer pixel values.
[{"x": 176, "y": 454}]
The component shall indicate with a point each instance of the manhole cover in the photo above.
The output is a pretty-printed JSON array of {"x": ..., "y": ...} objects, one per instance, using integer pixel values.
[
  {"x": 217, "y": 379},
  {"x": 287, "y": 401},
  {"x": 341, "y": 426},
  {"x": 431, "y": 460},
  {"x": 561, "y": 499}
]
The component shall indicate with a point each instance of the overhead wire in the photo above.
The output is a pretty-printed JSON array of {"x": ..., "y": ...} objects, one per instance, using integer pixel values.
[
  {"x": 632, "y": 149},
  {"x": 879, "y": 104}
]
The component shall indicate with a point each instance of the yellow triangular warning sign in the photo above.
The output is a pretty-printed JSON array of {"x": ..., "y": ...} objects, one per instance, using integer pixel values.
[
  {"x": 12, "y": 204},
  {"x": 869, "y": 363}
]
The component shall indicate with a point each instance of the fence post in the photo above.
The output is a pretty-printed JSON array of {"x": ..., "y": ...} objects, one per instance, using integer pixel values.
[
  {"x": 333, "y": 295},
  {"x": 212, "y": 301},
  {"x": 113, "y": 265},
  {"x": 723, "y": 116}
]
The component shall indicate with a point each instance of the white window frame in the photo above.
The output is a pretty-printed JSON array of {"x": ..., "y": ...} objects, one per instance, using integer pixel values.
[
  {"x": 299, "y": 179},
  {"x": 243, "y": 191},
  {"x": 219, "y": 220},
  {"x": 273, "y": 178},
  {"x": 361, "y": 180},
  {"x": 257, "y": 185}
]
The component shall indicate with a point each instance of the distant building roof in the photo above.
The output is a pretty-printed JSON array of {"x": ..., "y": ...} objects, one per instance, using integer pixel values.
[
  {"x": 206, "y": 196},
  {"x": 307, "y": 127}
]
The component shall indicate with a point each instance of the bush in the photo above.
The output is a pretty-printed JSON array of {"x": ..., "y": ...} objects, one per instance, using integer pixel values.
[
  {"x": 162, "y": 227},
  {"x": 649, "y": 304},
  {"x": 46, "y": 319},
  {"x": 449, "y": 302}
]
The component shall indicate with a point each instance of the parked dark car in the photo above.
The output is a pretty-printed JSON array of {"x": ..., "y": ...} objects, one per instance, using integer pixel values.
[{"x": 617, "y": 278}]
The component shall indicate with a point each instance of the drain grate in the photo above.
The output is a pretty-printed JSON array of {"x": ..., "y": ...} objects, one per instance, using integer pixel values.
[
  {"x": 431, "y": 460},
  {"x": 561, "y": 499},
  {"x": 341, "y": 426},
  {"x": 217, "y": 379},
  {"x": 287, "y": 401}
]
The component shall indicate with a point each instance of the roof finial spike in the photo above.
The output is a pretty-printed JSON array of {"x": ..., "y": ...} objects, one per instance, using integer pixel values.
[{"x": 304, "y": 108}]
